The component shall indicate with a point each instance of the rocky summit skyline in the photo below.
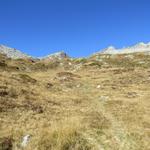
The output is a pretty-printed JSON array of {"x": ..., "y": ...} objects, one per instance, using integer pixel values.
[{"x": 137, "y": 48}]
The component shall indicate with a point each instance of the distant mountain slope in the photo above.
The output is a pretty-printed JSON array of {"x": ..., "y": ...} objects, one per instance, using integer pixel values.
[
  {"x": 140, "y": 47},
  {"x": 12, "y": 52}
]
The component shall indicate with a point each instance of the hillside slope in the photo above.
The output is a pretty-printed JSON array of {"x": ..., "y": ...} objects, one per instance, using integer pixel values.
[{"x": 99, "y": 103}]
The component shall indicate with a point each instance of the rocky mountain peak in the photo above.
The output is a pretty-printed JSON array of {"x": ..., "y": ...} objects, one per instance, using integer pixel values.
[
  {"x": 59, "y": 55},
  {"x": 108, "y": 50},
  {"x": 142, "y": 45},
  {"x": 139, "y": 47},
  {"x": 15, "y": 54},
  {"x": 12, "y": 52}
]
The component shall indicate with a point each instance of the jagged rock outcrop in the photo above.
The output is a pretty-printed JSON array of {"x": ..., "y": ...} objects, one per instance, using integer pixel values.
[
  {"x": 56, "y": 56},
  {"x": 12, "y": 52}
]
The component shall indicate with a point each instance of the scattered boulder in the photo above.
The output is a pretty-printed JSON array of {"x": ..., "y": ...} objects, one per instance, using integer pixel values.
[
  {"x": 104, "y": 98},
  {"x": 77, "y": 67},
  {"x": 141, "y": 62},
  {"x": 129, "y": 56},
  {"x": 25, "y": 141},
  {"x": 98, "y": 86},
  {"x": 79, "y": 85}
]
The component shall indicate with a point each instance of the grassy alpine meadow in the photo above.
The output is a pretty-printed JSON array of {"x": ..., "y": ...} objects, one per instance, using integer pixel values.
[{"x": 97, "y": 103}]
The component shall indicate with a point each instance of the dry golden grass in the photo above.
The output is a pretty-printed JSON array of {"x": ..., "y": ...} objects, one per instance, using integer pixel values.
[{"x": 92, "y": 107}]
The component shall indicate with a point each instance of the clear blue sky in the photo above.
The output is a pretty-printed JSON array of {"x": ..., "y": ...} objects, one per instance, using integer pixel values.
[{"x": 79, "y": 27}]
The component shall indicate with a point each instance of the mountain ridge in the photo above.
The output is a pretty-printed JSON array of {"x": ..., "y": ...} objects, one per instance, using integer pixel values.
[{"x": 139, "y": 47}]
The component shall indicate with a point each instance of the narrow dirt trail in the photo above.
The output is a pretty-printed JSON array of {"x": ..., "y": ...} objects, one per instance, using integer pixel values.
[
  {"x": 120, "y": 135},
  {"x": 117, "y": 129}
]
